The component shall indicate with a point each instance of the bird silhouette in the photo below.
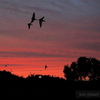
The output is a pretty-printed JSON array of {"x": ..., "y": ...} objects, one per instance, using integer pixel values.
[
  {"x": 5, "y": 65},
  {"x": 41, "y": 20},
  {"x": 29, "y": 24},
  {"x": 33, "y": 17},
  {"x": 45, "y": 66}
]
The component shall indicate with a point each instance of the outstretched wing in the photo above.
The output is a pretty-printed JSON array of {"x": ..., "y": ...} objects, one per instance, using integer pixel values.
[
  {"x": 45, "y": 66},
  {"x": 33, "y": 17},
  {"x": 42, "y": 18},
  {"x": 28, "y": 26},
  {"x": 40, "y": 22}
]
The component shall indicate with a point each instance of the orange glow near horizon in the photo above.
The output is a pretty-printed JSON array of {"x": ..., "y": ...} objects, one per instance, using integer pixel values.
[{"x": 25, "y": 66}]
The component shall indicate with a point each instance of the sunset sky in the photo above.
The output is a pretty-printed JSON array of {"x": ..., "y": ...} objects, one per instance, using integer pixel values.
[{"x": 71, "y": 30}]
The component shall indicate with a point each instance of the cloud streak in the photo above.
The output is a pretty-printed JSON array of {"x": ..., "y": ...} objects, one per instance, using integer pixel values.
[
  {"x": 68, "y": 24},
  {"x": 94, "y": 46},
  {"x": 63, "y": 54},
  {"x": 29, "y": 54}
]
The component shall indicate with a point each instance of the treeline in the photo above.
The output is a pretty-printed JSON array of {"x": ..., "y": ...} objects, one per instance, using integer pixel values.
[
  {"x": 11, "y": 81},
  {"x": 49, "y": 87},
  {"x": 6, "y": 78}
]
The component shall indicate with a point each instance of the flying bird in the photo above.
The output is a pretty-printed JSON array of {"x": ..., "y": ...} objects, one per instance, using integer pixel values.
[
  {"x": 29, "y": 24},
  {"x": 41, "y": 20},
  {"x": 45, "y": 66},
  {"x": 33, "y": 17}
]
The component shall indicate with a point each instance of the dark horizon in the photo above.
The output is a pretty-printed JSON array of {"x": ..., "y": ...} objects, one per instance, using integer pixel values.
[{"x": 46, "y": 88}]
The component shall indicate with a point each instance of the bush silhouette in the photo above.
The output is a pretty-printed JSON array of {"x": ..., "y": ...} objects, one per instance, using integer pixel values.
[
  {"x": 49, "y": 87},
  {"x": 84, "y": 67}
]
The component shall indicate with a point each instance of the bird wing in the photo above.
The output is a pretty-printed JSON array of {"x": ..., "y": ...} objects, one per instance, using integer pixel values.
[
  {"x": 33, "y": 17},
  {"x": 40, "y": 22},
  {"x": 45, "y": 66},
  {"x": 42, "y": 18},
  {"x": 32, "y": 20},
  {"x": 29, "y": 26}
]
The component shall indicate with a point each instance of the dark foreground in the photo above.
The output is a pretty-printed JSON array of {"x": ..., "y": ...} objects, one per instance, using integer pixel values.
[{"x": 46, "y": 88}]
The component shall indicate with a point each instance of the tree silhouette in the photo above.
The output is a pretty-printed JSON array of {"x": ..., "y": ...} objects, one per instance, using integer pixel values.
[{"x": 84, "y": 67}]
